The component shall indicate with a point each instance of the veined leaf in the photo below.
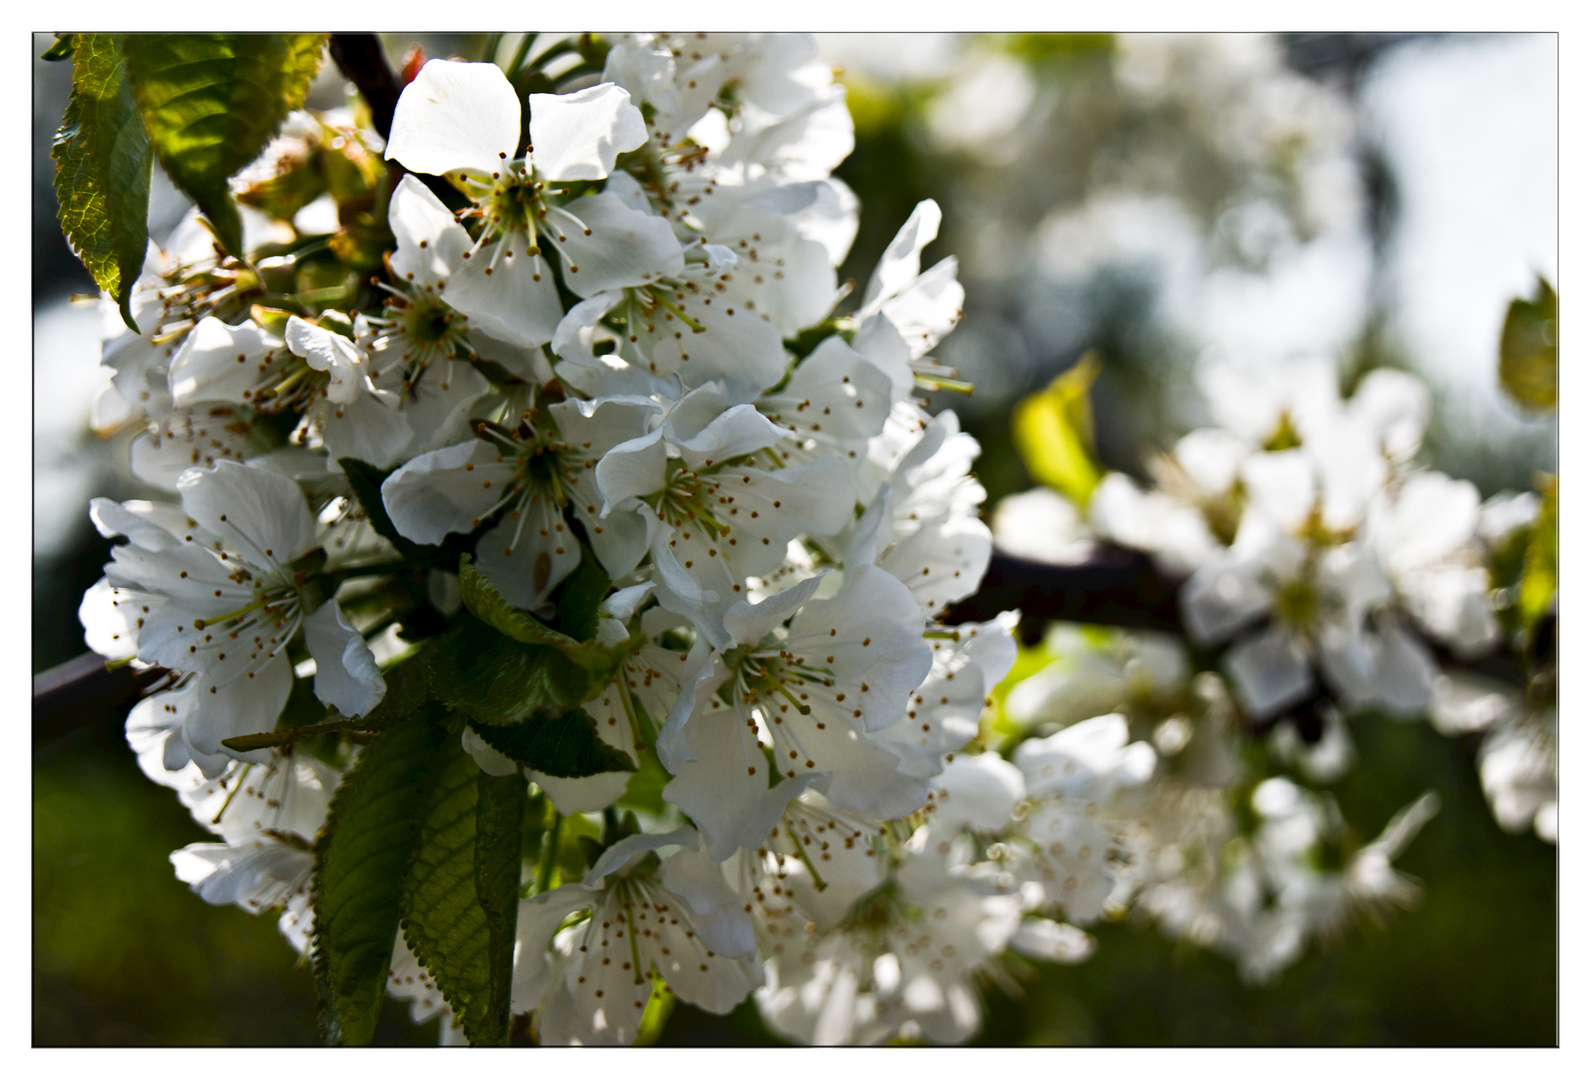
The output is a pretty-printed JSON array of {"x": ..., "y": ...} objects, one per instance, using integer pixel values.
[
  {"x": 487, "y": 604},
  {"x": 461, "y": 894},
  {"x": 563, "y": 744},
  {"x": 360, "y": 860},
  {"x": 211, "y": 102},
  {"x": 497, "y": 680},
  {"x": 1527, "y": 356},
  {"x": 102, "y": 161},
  {"x": 1054, "y": 433}
]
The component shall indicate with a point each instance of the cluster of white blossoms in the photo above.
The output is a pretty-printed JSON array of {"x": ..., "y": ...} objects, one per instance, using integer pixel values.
[
  {"x": 535, "y": 435},
  {"x": 612, "y": 355},
  {"x": 1323, "y": 574}
]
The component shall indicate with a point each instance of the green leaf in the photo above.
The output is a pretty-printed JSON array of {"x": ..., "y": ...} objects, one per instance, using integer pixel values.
[
  {"x": 211, "y": 102},
  {"x": 497, "y": 680},
  {"x": 461, "y": 895},
  {"x": 61, "y": 50},
  {"x": 1538, "y": 585},
  {"x": 1054, "y": 433},
  {"x": 487, "y": 604},
  {"x": 581, "y": 595},
  {"x": 102, "y": 162},
  {"x": 1527, "y": 356},
  {"x": 563, "y": 744},
  {"x": 360, "y": 859},
  {"x": 366, "y": 481}
]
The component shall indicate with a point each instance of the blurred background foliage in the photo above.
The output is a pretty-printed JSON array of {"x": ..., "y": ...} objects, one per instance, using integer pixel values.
[{"x": 1148, "y": 200}]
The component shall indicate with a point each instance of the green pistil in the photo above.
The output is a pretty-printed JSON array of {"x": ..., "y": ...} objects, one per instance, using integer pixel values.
[
  {"x": 696, "y": 327},
  {"x": 242, "y": 776},
  {"x": 1285, "y": 437},
  {"x": 1297, "y": 603},
  {"x": 804, "y": 710},
  {"x": 939, "y": 382},
  {"x": 801, "y": 852}
]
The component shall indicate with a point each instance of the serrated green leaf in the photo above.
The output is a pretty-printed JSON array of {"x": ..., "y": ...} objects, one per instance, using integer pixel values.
[
  {"x": 1054, "y": 433},
  {"x": 102, "y": 163},
  {"x": 360, "y": 859},
  {"x": 487, "y": 604},
  {"x": 497, "y": 680},
  {"x": 461, "y": 894},
  {"x": 1527, "y": 356},
  {"x": 366, "y": 480},
  {"x": 211, "y": 102},
  {"x": 562, "y": 744}
]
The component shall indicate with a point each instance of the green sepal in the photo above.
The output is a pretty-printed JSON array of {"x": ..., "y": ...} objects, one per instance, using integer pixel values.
[
  {"x": 361, "y": 857},
  {"x": 563, "y": 744},
  {"x": 211, "y": 102},
  {"x": 102, "y": 166},
  {"x": 461, "y": 894}
]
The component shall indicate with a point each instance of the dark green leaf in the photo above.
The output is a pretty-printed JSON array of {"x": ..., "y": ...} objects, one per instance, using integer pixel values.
[
  {"x": 102, "y": 161},
  {"x": 366, "y": 481},
  {"x": 360, "y": 860},
  {"x": 1527, "y": 360},
  {"x": 581, "y": 596},
  {"x": 497, "y": 680},
  {"x": 460, "y": 898},
  {"x": 61, "y": 50},
  {"x": 212, "y": 101},
  {"x": 488, "y": 605},
  {"x": 562, "y": 744}
]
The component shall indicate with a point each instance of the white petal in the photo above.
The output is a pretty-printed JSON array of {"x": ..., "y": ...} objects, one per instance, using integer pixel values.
[
  {"x": 429, "y": 497},
  {"x": 578, "y": 136},
  {"x": 326, "y": 351},
  {"x": 623, "y": 247},
  {"x": 517, "y": 300},
  {"x": 346, "y": 676},
  {"x": 1270, "y": 671},
  {"x": 260, "y": 514},
  {"x": 218, "y": 362},
  {"x": 431, "y": 242},
  {"x": 455, "y": 116},
  {"x": 900, "y": 261}
]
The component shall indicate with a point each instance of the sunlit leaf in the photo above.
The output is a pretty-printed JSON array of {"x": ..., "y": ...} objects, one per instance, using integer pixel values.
[
  {"x": 211, "y": 102},
  {"x": 102, "y": 162},
  {"x": 1527, "y": 356},
  {"x": 1054, "y": 433}
]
